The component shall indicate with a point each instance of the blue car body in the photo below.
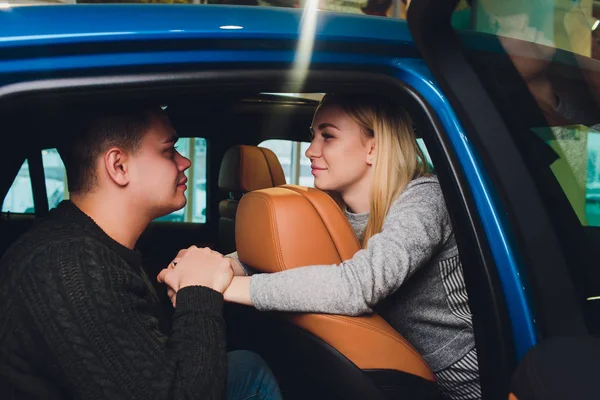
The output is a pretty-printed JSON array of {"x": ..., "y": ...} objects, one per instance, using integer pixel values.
[{"x": 45, "y": 42}]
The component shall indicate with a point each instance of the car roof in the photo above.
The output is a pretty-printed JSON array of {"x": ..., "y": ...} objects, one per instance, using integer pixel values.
[{"x": 70, "y": 24}]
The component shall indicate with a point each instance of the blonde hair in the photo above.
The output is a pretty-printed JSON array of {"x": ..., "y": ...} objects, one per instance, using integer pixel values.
[{"x": 398, "y": 157}]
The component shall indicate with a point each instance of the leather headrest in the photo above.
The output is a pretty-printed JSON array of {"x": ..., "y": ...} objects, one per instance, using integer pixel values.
[
  {"x": 248, "y": 168},
  {"x": 292, "y": 226}
]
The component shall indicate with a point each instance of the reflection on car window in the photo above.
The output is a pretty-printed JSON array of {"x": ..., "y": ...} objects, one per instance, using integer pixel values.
[
  {"x": 363, "y": 7},
  {"x": 577, "y": 167},
  {"x": 538, "y": 60},
  {"x": 554, "y": 92}
]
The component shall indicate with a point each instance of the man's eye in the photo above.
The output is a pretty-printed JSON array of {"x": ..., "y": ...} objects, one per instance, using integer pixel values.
[{"x": 172, "y": 150}]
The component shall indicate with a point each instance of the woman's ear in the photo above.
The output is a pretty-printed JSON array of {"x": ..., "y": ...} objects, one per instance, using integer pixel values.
[
  {"x": 371, "y": 154},
  {"x": 116, "y": 164}
]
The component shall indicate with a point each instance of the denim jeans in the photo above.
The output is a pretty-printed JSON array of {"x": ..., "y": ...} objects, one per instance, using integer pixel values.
[{"x": 249, "y": 377}]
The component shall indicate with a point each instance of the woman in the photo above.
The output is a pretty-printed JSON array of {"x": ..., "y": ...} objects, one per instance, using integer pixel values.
[{"x": 364, "y": 150}]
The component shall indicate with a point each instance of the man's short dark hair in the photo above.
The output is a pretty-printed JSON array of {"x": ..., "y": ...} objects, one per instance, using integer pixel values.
[{"x": 92, "y": 133}]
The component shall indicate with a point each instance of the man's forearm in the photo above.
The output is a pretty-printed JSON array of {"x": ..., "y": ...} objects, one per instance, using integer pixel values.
[{"x": 199, "y": 338}]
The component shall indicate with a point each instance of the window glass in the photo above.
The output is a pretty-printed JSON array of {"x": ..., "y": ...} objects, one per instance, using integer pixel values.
[
  {"x": 296, "y": 166},
  {"x": 292, "y": 157},
  {"x": 539, "y": 60},
  {"x": 553, "y": 89},
  {"x": 421, "y": 144},
  {"x": 363, "y": 7},
  {"x": 199, "y": 167},
  {"x": 55, "y": 177},
  {"x": 306, "y": 177},
  {"x": 19, "y": 198},
  {"x": 283, "y": 151}
]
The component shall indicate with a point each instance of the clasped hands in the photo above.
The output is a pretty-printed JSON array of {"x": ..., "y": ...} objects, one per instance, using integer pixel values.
[{"x": 197, "y": 267}]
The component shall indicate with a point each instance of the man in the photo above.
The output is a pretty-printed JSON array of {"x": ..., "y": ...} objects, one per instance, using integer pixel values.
[{"x": 80, "y": 318}]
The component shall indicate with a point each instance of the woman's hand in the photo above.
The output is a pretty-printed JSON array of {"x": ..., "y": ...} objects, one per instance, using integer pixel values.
[
  {"x": 236, "y": 267},
  {"x": 196, "y": 267}
]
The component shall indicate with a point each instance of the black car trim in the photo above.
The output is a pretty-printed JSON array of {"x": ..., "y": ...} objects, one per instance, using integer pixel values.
[
  {"x": 38, "y": 182},
  {"x": 381, "y": 48}
]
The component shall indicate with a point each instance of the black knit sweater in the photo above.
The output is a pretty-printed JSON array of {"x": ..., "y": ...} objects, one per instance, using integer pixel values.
[{"x": 79, "y": 319}]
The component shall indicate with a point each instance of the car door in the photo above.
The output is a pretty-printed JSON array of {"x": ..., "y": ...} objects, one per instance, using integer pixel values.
[{"x": 523, "y": 80}]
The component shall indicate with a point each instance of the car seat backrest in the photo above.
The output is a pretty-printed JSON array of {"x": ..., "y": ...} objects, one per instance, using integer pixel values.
[
  {"x": 292, "y": 226},
  {"x": 243, "y": 169}
]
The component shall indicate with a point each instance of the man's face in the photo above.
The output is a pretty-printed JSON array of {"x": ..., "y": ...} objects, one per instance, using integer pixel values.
[{"x": 156, "y": 171}]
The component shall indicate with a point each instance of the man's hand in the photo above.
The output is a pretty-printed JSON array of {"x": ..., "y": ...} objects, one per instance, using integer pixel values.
[{"x": 196, "y": 267}]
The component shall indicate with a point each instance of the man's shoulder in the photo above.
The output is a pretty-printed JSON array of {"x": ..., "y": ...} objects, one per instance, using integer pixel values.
[{"x": 47, "y": 244}]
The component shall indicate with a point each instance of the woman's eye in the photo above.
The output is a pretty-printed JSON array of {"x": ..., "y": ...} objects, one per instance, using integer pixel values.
[{"x": 327, "y": 136}]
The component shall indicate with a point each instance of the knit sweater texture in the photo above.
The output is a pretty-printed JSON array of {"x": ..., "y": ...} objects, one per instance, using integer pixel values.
[{"x": 80, "y": 319}]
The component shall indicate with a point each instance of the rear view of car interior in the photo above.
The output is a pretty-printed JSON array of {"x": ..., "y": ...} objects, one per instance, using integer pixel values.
[{"x": 228, "y": 131}]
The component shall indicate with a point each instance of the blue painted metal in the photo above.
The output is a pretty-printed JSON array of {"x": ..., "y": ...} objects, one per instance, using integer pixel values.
[
  {"x": 48, "y": 26},
  {"x": 20, "y": 26}
]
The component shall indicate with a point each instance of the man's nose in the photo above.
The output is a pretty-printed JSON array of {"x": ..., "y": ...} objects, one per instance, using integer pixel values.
[{"x": 183, "y": 163}]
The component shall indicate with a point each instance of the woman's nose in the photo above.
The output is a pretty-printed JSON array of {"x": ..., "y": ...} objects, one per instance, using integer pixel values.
[{"x": 312, "y": 151}]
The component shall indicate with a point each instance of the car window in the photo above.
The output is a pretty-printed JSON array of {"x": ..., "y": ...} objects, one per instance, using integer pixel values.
[
  {"x": 421, "y": 144},
  {"x": 553, "y": 48},
  {"x": 539, "y": 62},
  {"x": 296, "y": 166},
  {"x": 19, "y": 198}
]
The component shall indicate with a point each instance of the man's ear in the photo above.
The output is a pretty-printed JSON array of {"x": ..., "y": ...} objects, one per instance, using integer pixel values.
[
  {"x": 371, "y": 154},
  {"x": 116, "y": 162}
]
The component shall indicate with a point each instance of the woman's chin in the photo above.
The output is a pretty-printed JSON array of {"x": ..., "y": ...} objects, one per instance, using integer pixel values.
[{"x": 323, "y": 186}]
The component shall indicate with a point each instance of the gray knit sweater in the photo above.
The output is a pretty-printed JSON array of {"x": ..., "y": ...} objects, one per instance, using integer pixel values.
[{"x": 410, "y": 273}]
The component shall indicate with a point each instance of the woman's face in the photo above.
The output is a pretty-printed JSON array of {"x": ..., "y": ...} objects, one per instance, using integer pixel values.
[{"x": 341, "y": 155}]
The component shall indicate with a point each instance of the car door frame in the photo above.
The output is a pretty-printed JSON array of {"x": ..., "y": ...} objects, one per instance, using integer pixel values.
[
  {"x": 543, "y": 265},
  {"x": 492, "y": 323}
]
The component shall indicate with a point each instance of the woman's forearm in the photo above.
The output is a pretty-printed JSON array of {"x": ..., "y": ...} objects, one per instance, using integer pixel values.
[{"x": 239, "y": 291}]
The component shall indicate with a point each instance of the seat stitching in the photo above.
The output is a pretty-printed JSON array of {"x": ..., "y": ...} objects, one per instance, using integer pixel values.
[
  {"x": 323, "y": 221},
  {"x": 400, "y": 339},
  {"x": 268, "y": 201},
  {"x": 268, "y": 166}
]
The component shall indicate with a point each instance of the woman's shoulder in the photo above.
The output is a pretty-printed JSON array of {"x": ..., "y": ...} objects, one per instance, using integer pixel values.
[
  {"x": 422, "y": 195},
  {"x": 426, "y": 187}
]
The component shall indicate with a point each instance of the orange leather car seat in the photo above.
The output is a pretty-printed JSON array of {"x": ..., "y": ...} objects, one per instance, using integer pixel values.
[
  {"x": 292, "y": 226},
  {"x": 243, "y": 169}
]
